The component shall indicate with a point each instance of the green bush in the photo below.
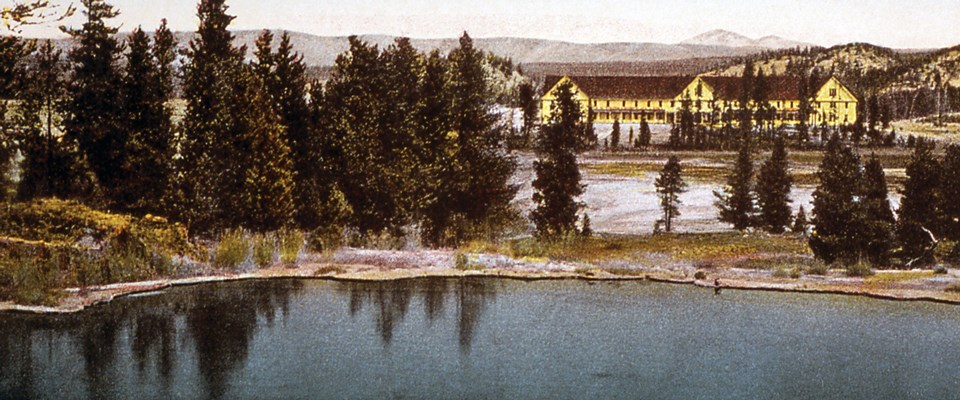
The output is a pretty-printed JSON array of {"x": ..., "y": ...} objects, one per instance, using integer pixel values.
[
  {"x": 231, "y": 251},
  {"x": 796, "y": 272},
  {"x": 291, "y": 241},
  {"x": 700, "y": 275},
  {"x": 780, "y": 272},
  {"x": 818, "y": 269},
  {"x": 263, "y": 249},
  {"x": 859, "y": 268}
]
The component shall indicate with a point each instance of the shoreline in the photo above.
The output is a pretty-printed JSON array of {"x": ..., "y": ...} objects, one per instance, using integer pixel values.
[{"x": 77, "y": 300}]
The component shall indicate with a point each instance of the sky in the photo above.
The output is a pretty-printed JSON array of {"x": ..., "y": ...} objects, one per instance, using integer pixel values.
[{"x": 891, "y": 23}]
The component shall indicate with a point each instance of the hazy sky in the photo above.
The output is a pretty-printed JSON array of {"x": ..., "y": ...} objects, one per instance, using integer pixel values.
[{"x": 893, "y": 23}]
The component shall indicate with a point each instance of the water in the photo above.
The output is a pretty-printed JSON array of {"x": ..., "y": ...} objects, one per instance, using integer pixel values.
[{"x": 483, "y": 339}]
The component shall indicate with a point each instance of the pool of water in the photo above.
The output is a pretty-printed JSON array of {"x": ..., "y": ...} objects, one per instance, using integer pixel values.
[{"x": 481, "y": 339}]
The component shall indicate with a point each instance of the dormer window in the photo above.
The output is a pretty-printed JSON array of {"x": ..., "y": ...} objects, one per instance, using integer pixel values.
[{"x": 833, "y": 92}]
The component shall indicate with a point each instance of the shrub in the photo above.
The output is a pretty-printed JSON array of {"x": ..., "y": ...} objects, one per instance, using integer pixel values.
[
  {"x": 859, "y": 268},
  {"x": 955, "y": 288},
  {"x": 818, "y": 269},
  {"x": 940, "y": 269},
  {"x": 780, "y": 272},
  {"x": 263, "y": 248},
  {"x": 231, "y": 251},
  {"x": 291, "y": 241},
  {"x": 700, "y": 275},
  {"x": 461, "y": 261},
  {"x": 796, "y": 272}
]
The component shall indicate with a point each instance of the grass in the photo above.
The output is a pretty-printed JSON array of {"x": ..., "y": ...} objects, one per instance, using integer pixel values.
[
  {"x": 898, "y": 276},
  {"x": 802, "y": 174},
  {"x": 231, "y": 251},
  {"x": 702, "y": 247}
]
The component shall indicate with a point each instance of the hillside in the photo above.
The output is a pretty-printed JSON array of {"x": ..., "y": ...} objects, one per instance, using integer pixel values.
[{"x": 720, "y": 37}]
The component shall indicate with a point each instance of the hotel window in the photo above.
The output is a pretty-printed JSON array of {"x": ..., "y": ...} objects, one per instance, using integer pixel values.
[
  {"x": 661, "y": 104},
  {"x": 671, "y": 104},
  {"x": 608, "y": 103},
  {"x": 833, "y": 105},
  {"x": 833, "y": 92},
  {"x": 648, "y": 104},
  {"x": 594, "y": 103},
  {"x": 635, "y": 103}
]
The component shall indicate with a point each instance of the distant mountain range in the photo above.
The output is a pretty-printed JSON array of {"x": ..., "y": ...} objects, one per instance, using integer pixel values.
[
  {"x": 720, "y": 37},
  {"x": 322, "y": 51}
]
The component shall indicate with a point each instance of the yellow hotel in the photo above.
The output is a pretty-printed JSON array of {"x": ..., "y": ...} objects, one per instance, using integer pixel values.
[{"x": 659, "y": 99}]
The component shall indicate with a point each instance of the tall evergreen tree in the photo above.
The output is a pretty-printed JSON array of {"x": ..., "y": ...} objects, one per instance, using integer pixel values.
[
  {"x": 773, "y": 190},
  {"x": 207, "y": 172},
  {"x": 800, "y": 222},
  {"x": 645, "y": 135},
  {"x": 615, "y": 136},
  {"x": 919, "y": 220},
  {"x": 261, "y": 198},
  {"x": 93, "y": 114},
  {"x": 557, "y": 182},
  {"x": 761, "y": 105},
  {"x": 483, "y": 189},
  {"x": 669, "y": 187},
  {"x": 52, "y": 165},
  {"x": 878, "y": 217},
  {"x": 745, "y": 111},
  {"x": 837, "y": 220},
  {"x": 529, "y": 106},
  {"x": 148, "y": 146},
  {"x": 736, "y": 201},
  {"x": 355, "y": 98},
  {"x": 284, "y": 74},
  {"x": 13, "y": 56},
  {"x": 438, "y": 149},
  {"x": 949, "y": 193}
]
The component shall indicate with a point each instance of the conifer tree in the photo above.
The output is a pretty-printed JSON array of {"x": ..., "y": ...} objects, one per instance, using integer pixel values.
[
  {"x": 773, "y": 190},
  {"x": 355, "y": 98},
  {"x": 483, "y": 184},
  {"x": 165, "y": 52},
  {"x": 800, "y": 222},
  {"x": 13, "y": 56},
  {"x": 262, "y": 199},
  {"x": 645, "y": 135},
  {"x": 615, "y": 136},
  {"x": 878, "y": 217},
  {"x": 631, "y": 141},
  {"x": 52, "y": 165},
  {"x": 93, "y": 116},
  {"x": 950, "y": 197},
  {"x": 208, "y": 176},
  {"x": 919, "y": 220},
  {"x": 736, "y": 201},
  {"x": 284, "y": 74},
  {"x": 529, "y": 107},
  {"x": 761, "y": 105},
  {"x": 669, "y": 187},
  {"x": 837, "y": 220},
  {"x": 148, "y": 143},
  {"x": 557, "y": 182},
  {"x": 438, "y": 148},
  {"x": 745, "y": 112}
]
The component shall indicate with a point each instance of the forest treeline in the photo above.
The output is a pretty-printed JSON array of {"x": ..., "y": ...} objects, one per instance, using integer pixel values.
[{"x": 394, "y": 139}]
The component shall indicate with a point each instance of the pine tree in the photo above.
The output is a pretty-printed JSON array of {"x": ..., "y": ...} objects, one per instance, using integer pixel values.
[
  {"x": 557, "y": 182},
  {"x": 645, "y": 135},
  {"x": 355, "y": 99},
  {"x": 13, "y": 56},
  {"x": 529, "y": 107},
  {"x": 878, "y": 217},
  {"x": 761, "y": 105},
  {"x": 669, "y": 187},
  {"x": 919, "y": 220},
  {"x": 736, "y": 201},
  {"x": 483, "y": 189},
  {"x": 93, "y": 114},
  {"x": 745, "y": 112},
  {"x": 263, "y": 197},
  {"x": 949, "y": 193},
  {"x": 438, "y": 148},
  {"x": 773, "y": 190},
  {"x": 837, "y": 220},
  {"x": 800, "y": 222},
  {"x": 284, "y": 73},
  {"x": 207, "y": 173},
  {"x": 52, "y": 165},
  {"x": 615, "y": 136},
  {"x": 631, "y": 140},
  {"x": 148, "y": 146}
]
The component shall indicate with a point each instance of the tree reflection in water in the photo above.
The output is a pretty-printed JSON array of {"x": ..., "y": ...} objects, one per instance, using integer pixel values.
[
  {"x": 392, "y": 300},
  {"x": 220, "y": 321}
]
